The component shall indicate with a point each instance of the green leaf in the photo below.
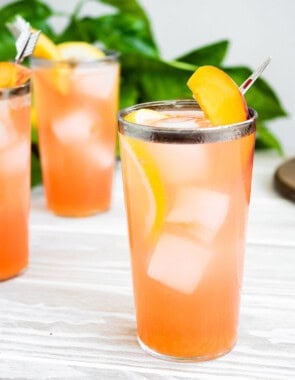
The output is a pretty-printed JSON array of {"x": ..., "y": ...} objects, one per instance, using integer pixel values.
[
  {"x": 260, "y": 96},
  {"x": 156, "y": 78},
  {"x": 166, "y": 82},
  {"x": 122, "y": 32},
  {"x": 132, "y": 7},
  {"x": 212, "y": 54},
  {"x": 34, "y": 135},
  {"x": 265, "y": 139},
  {"x": 29, "y": 9},
  {"x": 127, "y": 6},
  {"x": 129, "y": 94},
  {"x": 7, "y": 47},
  {"x": 37, "y": 18},
  {"x": 44, "y": 26},
  {"x": 76, "y": 31},
  {"x": 36, "y": 176}
]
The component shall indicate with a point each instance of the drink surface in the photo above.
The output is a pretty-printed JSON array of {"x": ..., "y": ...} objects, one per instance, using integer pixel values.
[
  {"x": 14, "y": 183},
  {"x": 187, "y": 208},
  {"x": 76, "y": 112},
  {"x": 188, "y": 119}
]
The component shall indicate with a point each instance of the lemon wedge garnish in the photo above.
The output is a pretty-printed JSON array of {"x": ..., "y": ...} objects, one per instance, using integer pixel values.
[
  {"x": 79, "y": 51},
  {"x": 46, "y": 49},
  {"x": 147, "y": 204},
  {"x": 67, "y": 51},
  {"x": 71, "y": 51}
]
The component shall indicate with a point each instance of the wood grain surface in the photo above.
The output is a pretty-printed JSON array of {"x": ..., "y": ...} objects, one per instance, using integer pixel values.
[{"x": 70, "y": 315}]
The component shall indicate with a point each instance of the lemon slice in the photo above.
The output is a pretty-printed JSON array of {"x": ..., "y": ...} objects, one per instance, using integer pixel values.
[
  {"x": 46, "y": 49},
  {"x": 147, "y": 207},
  {"x": 218, "y": 96},
  {"x": 79, "y": 51},
  {"x": 145, "y": 116}
]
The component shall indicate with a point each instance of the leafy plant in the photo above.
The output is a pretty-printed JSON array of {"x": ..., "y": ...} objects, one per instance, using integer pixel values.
[{"x": 145, "y": 75}]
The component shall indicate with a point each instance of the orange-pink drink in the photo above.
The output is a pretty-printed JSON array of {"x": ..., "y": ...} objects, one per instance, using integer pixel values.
[
  {"x": 15, "y": 150},
  {"x": 187, "y": 189},
  {"x": 76, "y": 104}
]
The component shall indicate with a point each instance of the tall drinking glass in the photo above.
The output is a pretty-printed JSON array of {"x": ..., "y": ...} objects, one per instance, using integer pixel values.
[
  {"x": 76, "y": 105},
  {"x": 15, "y": 151},
  {"x": 187, "y": 190}
]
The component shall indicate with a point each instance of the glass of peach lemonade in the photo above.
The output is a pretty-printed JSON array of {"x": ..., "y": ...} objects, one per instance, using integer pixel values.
[
  {"x": 76, "y": 100},
  {"x": 15, "y": 147},
  {"x": 187, "y": 180}
]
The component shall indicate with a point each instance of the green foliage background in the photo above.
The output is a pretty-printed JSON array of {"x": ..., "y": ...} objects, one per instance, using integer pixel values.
[{"x": 145, "y": 75}]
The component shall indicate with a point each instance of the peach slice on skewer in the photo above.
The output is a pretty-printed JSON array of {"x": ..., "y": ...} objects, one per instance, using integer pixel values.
[
  {"x": 12, "y": 74},
  {"x": 218, "y": 96}
]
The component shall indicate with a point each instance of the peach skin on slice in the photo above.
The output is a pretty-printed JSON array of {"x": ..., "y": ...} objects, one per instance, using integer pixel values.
[
  {"x": 7, "y": 74},
  {"x": 12, "y": 74},
  {"x": 218, "y": 96},
  {"x": 23, "y": 74}
]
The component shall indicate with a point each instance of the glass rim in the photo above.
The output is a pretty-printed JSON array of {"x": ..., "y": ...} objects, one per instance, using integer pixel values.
[
  {"x": 10, "y": 92},
  {"x": 111, "y": 56},
  {"x": 183, "y": 135}
]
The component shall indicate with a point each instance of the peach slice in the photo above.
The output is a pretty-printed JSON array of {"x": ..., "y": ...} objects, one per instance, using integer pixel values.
[
  {"x": 12, "y": 74},
  {"x": 7, "y": 74},
  {"x": 223, "y": 103},
  {"x": 218, "y": 96},
  {"x": 23, "y": 74}
]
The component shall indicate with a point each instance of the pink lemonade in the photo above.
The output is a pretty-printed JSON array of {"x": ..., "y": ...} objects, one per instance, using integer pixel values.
[
  {"x": 15, "y": 150},
  {"x": 76, "y": 107},
  {"x": 187, "y": 190}
]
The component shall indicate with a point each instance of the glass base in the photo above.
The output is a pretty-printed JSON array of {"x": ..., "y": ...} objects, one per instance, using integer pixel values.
[
  {"x": 79, "y": 214},
  {"x": 180, "y": 358},
  {"x": 14, "y": 275}
]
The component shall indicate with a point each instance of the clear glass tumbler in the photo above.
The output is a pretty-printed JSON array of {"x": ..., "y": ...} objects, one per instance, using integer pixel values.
[
  {"x": 187, "y": 191},
  {"x": 15, "y": 148},
  {"x": 76, "y": 106}
]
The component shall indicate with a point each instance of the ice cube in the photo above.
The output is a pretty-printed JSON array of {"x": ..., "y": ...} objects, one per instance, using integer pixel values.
[
  {"x": 7, "y": 134},
  {"x": 97, "y": 82},
  {"x": 181, "y": 163},
  {"x": 20, "y": 102},
  {"x": 183, "y": 120},
  {"x": 74, "y": 127},
  {"x": 5, "y": 124},
  {"x": 178, "y": 123},
  {"x": 178, "y": 262},
  {"x": 203, "y": 208},
  {"x": 101, "y": 154},
  {"x": 4, "y": 110},
  {"x": 16, "y": 157}
]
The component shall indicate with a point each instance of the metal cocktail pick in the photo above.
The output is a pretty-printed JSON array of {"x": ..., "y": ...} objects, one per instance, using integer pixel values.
[
  {"x": 252, "y": 78},
  {"x": 26, "y": 38}
]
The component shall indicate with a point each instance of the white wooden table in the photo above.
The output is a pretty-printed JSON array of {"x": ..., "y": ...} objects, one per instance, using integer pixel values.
[{"x": 71, "y": 314}]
